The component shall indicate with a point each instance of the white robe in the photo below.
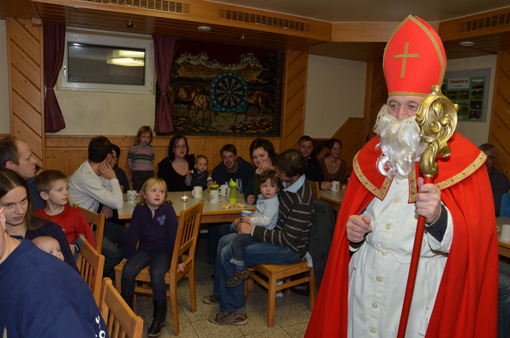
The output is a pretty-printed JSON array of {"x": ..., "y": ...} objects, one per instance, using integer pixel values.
[{"x": 378, "y": 271}]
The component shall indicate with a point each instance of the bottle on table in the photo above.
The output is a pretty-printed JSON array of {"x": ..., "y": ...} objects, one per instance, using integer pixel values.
[{"x": 232, "y": 193}]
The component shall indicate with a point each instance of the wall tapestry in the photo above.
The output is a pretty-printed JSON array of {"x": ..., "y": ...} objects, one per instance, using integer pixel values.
[{"x": 225, "y": 90}]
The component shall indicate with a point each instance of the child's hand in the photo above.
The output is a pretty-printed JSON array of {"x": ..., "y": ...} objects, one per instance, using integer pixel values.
[
  {"x": 123, "y": 261},
  {"x": 72, "y": 248},
  {"x": 245, "y": 219},
  {"x": 237, "y": 221},
  {"x": 181, "y": 266}
]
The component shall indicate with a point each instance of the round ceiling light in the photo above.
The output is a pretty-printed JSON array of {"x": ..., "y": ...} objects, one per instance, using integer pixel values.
[
  {"x": 204, "y": 28},
  {"x": 467, "y": 43}
]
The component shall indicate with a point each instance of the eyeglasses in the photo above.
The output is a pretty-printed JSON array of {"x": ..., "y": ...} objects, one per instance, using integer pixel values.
[{"x": 181, "y": 146}]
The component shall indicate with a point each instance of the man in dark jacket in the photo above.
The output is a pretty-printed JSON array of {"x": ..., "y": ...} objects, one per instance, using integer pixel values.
[{"x": 232, "y": 167}]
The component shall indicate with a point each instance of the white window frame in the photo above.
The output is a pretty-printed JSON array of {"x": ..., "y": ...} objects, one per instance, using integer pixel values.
[{"x": 93, "y": 38}]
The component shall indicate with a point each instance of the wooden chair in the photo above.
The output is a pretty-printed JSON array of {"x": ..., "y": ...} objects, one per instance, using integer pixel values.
[
  {"x": 96, "y": 222},
  {"x": 316, "y": 187},
  {"x": 91, "y": 264},
  {"x": 185, "y": 247},
  {"x": 118, "y": 316},
  {"x": 275, "y": 272}
]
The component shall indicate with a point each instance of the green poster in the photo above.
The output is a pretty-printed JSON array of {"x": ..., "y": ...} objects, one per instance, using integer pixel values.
[{"x": 468, "y": 93}]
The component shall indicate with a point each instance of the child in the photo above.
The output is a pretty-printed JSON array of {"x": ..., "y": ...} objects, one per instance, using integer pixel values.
[
  {"x": 200, "y": 177},
  {"x": 154, "y": 224},
  {"x": 266, "y": 215},
  {"x": 50, "y": 245},
  {"x": 54, "y": 190},
  {"x": 141, "y": 158}
]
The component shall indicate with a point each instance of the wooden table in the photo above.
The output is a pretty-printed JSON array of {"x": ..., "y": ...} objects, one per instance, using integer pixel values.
[
  {"x": 334, "y": 198},
  {"x": 212, "y": 212},
  {"x": 504, "y": 247}
]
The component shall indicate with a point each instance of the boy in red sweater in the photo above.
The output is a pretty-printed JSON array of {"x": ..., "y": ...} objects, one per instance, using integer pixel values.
[{"x": 54, "y": 190}]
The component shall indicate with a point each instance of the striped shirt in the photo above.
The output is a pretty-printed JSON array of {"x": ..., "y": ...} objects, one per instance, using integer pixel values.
[
  {"x": 297, "y": 206},
  {"x": 141, "y": 158}
]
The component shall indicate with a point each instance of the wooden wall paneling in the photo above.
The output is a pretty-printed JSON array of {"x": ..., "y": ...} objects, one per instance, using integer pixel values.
[
  {"x": 500, "y": 132},
  {"x": 369, "y": 80},
  {"x": 27, "y": 38},
  {"x": 504, "y": 61},
  {"x": 293, "y": 112},
  {"x": 66, "y": 160},
  {"x": 27, "y": 65},
  {"x": 26, "y": 112},
  {"x": 501, "y": 108},
  {"x": 501, "y": 141},
  {"x": 378, "y": 94},
  {"x": 23, "y": 132},
  {"x": 26, "y": 90},
  {"x": 500, "y": 118}
]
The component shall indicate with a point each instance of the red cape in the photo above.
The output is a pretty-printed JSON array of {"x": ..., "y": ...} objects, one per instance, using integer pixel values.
[{"x": 466, "y": 304}]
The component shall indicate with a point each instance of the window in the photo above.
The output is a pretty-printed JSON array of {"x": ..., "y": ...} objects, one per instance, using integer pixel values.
[{"x": 107, "y": 63}]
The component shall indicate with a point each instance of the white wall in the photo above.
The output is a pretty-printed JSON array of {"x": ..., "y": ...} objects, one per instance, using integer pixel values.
[
  {"x": 5, "y": 127},
  {"x": 476, "y": 132},
  {"x": 335, "y": 91},
  {"x": 101, "y": 113}
]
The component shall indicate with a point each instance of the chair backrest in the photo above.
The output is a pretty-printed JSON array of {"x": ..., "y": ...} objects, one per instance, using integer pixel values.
[
  {"x": 118, "y": 316},
  {"x": 96, "y": 222},
  {"x": 316, "y": 188},
  {"x": 186, "y": 238},
  {"x": 91, "y": 264}
]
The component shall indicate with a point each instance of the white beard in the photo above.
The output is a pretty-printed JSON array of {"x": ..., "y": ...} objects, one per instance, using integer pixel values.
[{"x": 400, "y": 143}]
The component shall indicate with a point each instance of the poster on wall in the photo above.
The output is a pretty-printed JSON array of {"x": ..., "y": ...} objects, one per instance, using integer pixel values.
[
  {"x": 470, "y": 90},
  {"x": 225, "y": 90}
]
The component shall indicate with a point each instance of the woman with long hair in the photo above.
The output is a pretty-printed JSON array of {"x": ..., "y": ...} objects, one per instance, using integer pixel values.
[
  {"x": 19, "y": 219},
  {"x": 332, "y": 166}
]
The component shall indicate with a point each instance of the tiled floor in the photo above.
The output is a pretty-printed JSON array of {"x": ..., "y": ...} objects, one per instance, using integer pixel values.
[{"x": 291, "y": 315}]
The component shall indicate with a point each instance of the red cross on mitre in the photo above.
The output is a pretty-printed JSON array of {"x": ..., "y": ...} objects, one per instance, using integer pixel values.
[{"x": 414, "y": 59}]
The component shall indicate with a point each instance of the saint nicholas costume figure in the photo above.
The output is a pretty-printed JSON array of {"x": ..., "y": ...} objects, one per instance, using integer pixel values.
[{"x": 364, "y": 284}]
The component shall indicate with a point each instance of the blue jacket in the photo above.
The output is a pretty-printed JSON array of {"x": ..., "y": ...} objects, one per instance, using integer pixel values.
[{"x": 42, "y": 297}]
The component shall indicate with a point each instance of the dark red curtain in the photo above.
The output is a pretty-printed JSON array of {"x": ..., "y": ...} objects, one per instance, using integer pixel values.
[
  {"x": 54, "y": 44},
  {"x": 164, "y": 48}
]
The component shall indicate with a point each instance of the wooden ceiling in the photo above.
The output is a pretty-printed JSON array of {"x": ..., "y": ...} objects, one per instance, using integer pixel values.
[
  {"x": 117, "y": 21},
  {"x": 84, "y": 15}
]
